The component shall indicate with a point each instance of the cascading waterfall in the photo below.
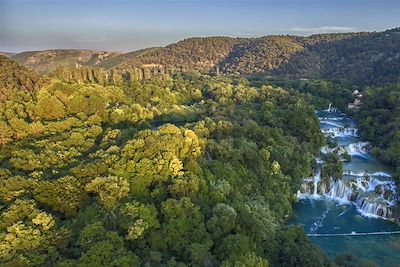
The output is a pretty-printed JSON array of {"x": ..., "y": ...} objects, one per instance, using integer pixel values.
[
  {"x": 341, "y": 132},
  {"x": 373, "y": 193},
  {"x": 358, "y": 149},
  {"x": 316, "y": 179},
  {"x": 322, "y": 119},
  {"x": 372, "y": 196},
  {"x": 340, "y": 191},
  {"x": 328, "y": 122},
  {"x": 331, "y": 109},
  {"x": 363, "y": 173},
  {"x": 372, "y": 208}
]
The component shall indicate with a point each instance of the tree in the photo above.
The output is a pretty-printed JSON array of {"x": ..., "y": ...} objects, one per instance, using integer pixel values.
[
  {"x": 184, "y": 228},
  {"x": 156, "y": 157},
  {"x": 249, "y": 260},
  {"x": 296, "y": 250},
  {"x": 13, "y": 187},
  {"x": 6, "y": 133},
  {"x": 256, "y": 220},
  {"x": 234, "y": 247},
  {"x": 109, "y": 189},
  {"x": 50, "y": 107},
  {"x": 78, "y": 103},
  {"x": 102, "y": 248},
  {"x": 223, "y": 220},
  {"x": 136, "y": 218},
  {"x": 27, "y": 234},
  {"x": 64, "y": 195}
]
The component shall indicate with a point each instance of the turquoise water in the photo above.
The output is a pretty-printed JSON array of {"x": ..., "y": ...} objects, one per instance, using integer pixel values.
[{"x": 321, "y": 214}]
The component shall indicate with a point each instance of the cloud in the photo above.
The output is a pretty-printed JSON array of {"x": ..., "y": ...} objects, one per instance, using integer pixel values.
[{"x": 323, "y": 29}]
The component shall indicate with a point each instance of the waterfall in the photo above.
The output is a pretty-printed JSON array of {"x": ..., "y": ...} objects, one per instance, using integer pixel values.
[
  {"x": 340, "y": 191},
  {"x": 358, "y": 149},
  {"x": 329, "y": 108},
  {"x": 363, "y": 173},
  {"x": 316, "y": 179},
  {"x": 373, "y": 193},
  {"x": 371, "y": 208},
  {"x": 341, "y": 132},
  {"x": 326, "y": 150},
  {"x": 330, "y": 123},
  {"x": 383, "y": 174},
  {"x": 309, "y": 188},
  {"x": 332, "y": 119},
  {"x": 362, "y": 192}
]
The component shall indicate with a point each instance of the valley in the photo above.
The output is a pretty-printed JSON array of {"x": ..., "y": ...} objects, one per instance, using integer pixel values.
[{"x": 211, "y": 151}]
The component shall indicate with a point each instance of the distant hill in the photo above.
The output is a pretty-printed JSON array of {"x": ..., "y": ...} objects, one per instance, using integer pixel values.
[
  {"x": 49, "y": 60},
  {"x": 266, "y": 54},
  {"x": 7, "y": 54},
  {"x": 15, "y": 78},
  {"x": 366, "y": 58},
  {"x": 200, "y": 54},
  {"x": 125, "y": 58}
]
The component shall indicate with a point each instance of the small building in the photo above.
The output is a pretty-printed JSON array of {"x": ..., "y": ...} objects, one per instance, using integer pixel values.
[{"x": 357, "y": 93}]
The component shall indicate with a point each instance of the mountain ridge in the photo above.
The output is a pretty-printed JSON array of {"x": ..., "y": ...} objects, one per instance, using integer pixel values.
[
  {"x": 49, "y": 60},
  {"x": 363, "y": 57}
]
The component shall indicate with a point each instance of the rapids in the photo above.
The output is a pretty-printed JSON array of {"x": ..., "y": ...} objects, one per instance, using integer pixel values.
[{"x": 362, "y": 200}]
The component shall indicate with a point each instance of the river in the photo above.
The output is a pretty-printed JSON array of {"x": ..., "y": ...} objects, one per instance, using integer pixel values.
[{"x": 361, "y": 201}]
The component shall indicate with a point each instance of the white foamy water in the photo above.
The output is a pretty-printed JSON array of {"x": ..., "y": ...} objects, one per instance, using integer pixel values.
[
  {"x": 341, "y": 132},
  {"x": 358, "y": 149},
  {"x": 373, "y": 193},
  {"x": 327, "y": 122}
]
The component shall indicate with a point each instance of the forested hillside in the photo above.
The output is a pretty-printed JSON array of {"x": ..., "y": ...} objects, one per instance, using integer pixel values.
[
  {"x": 16, "y": 79},
  {"x": 361, "y": 58},
  {"x": 189, "y": 170},
  {"x": 319, "y": 93},
  {"x": 125, "y": 57},
  {"x": 260, "y": 55},
  {"x": 193, "y": 54},
  {"x": 364, "y": 59},
  {"x": 379, "y": 122},
  {"x": 49, "y": 60}
]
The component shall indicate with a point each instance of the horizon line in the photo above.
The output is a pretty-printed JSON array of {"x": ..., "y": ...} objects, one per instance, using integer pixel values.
[{"x": 206, "y": 36}]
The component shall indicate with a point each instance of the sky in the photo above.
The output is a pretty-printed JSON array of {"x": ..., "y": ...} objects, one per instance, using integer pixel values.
[{"x": 123, "y": 25}]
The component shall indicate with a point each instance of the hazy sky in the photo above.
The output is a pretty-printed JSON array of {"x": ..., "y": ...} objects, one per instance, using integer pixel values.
[{"x": 130, "y": 25}]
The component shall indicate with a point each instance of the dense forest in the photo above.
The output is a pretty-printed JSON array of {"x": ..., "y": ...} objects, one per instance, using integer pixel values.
[
  {"x": 319, "y": 93},
  {"x": 189, "y": 170},
  {"x": 379, "y": 122},
  {"x": 15, "y": 79},
  {"x": 185, "y": 155}
]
